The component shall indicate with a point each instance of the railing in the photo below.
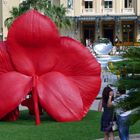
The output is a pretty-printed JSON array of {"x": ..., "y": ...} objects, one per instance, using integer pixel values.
[
  {"x": 107, "y": 10},
  {"x": 88, "y": 10},
  {"x": 128, "y": 10}
]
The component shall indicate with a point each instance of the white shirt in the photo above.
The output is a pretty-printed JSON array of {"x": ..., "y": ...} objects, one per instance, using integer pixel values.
[{"x": 126, "y": 113}]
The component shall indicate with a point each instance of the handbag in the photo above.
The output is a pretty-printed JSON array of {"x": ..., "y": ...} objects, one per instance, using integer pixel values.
[
  {"x": 114, "y": 126},
  {"x": 114, "y": 123}
]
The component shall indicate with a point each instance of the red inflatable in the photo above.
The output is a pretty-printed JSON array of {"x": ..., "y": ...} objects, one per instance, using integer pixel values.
[{"x": 61, "y": 74}]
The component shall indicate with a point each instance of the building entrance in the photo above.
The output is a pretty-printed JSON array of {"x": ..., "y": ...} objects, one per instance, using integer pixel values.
[
  {"x": 88, "y": 31},
  {"x": 108, "y": 31}
]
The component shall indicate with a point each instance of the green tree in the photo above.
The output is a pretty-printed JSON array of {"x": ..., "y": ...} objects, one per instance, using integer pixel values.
[
  {"x": 56, "y": 13},
  {"x": 131, "y": 82}
]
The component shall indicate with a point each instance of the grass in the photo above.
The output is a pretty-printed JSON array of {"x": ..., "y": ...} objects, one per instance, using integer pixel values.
[{"x": 25, "y": 129}]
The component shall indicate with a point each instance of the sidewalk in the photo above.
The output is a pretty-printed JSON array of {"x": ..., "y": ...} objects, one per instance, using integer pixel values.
[
  {"x": 132, "y": 137},
  {"x": 94, "y": 105}
]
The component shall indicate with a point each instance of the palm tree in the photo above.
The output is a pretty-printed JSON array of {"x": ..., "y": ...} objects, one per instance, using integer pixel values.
[
  {"x": 56, "y": 13},
  {"x": 15, "y": 12}
]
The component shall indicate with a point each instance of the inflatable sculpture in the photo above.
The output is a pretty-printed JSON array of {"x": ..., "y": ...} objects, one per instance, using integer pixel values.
[{"x": 59, "y": 72}]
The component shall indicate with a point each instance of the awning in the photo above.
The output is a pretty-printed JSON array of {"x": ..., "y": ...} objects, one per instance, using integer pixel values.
[
  {"x": 107, "y": 17},
  {"x": 88, "y": 0},
  {"x": 86, "y": 18},
  {"x": 129, "y": 17},
  {"x": 107, "y": 0}
]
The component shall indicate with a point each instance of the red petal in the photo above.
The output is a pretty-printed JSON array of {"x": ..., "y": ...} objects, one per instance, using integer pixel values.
[
  {"x": 5, "y": 62},
  {"x": 76, "y": 60},
  {"x": 89, "y": 87},
  {"x": 60, "y": 97},
  {"x": 82, "y": 67},
  {"x": 30, "y": 39},
  {"x": 11, "y": 116},
  {"x": 14, "y": 87}
]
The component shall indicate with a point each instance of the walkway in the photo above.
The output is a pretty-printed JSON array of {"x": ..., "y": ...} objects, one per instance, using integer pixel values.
[{"x": 132, "y": 137}]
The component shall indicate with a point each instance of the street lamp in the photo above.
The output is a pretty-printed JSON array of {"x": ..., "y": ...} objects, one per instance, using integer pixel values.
[
  {"x": 117, "y": 25},
  {"x": 98, "y": 25}
]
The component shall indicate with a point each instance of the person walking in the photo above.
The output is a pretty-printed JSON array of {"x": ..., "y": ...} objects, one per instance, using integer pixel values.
[
  {"x": 116, "y": 41},
  {"x": 107, "y": 116}
]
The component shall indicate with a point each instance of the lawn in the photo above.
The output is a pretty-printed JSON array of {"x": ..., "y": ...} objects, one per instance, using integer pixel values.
[{"x": 25, "y": 129}]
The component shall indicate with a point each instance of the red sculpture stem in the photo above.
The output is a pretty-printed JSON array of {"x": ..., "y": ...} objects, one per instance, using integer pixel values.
[{"x": 35, "y": 99}]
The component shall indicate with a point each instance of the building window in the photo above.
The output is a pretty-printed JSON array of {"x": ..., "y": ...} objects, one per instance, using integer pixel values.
[
  {"x": 88, "y": 4},
  {"x": 139, "y": 28},
  {"x": 108, "y": 3},
  {"x": 128, "y": 3},
  {"x": 128, "y": 32},
  {"x": 70, "y": 4}
]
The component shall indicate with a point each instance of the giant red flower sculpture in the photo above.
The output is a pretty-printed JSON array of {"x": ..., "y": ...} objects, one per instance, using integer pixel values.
[{"x": 61, "y": 73}]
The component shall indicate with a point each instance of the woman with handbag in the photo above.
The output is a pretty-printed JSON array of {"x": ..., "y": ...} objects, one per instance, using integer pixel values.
[{"x": 108, "y": 113}]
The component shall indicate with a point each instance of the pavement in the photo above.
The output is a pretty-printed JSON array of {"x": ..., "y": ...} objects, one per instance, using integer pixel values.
[
  {"x": 131, "y": 137},
  {"x": 94, "y": 106}
]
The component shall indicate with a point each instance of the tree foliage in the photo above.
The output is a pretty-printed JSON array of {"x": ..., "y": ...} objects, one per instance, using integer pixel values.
[
  {"x": 56, "y": 13},
  {"x": 130, "y": 82}
]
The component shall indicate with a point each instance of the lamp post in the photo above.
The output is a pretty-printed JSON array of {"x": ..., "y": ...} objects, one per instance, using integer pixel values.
[
  {"x": 98, "y": 25},
  {"x": 117, "y": 25},
  {"x": 128, "y": 30}
]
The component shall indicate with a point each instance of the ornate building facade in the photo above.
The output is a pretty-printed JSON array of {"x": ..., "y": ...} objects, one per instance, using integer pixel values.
[
  {"x": 92, "y": 18},
  {"x": 104, "y": 18},
  {"x": 5, "y": 7}
]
